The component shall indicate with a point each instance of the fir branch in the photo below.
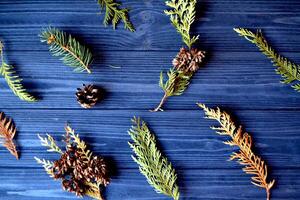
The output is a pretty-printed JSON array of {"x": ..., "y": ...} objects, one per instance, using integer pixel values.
[
  {"x": 72, "y": 53},
  {"x": 113, "y": 14},
  {"x": 156, "y": 168},
  {"x": 48, "y": 165},
  {"x": 175, "y": 85},
  {"x": 182, "y": 17},
  {"x": 289, "y": 71},
  {"x": 7, "y": 132},
  {"x": 50, "y": 143},
  {"x": 253, "y": 164},
  {"x": 14, "y": 82}
]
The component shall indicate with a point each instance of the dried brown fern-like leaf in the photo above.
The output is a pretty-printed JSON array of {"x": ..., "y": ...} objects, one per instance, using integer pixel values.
[
  {"x": 7, "y": 132},
  {"x": 254, "y": 165}
]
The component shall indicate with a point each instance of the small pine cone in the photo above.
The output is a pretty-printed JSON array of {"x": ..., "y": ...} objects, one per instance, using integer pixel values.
[
  {"x": 73, "y": 185},
  {"x": 87, "y": 96},
  {"x": 97, "y": 170},
  {"x": 188, "y": 60}
]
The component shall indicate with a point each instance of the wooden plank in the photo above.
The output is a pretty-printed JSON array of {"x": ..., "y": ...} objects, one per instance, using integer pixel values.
[
  {"x": 34, "y": 184},
  {"x": 154, "y": 31},
  {"x": 189, "y": 145},
  {"x": 229, "y": 79}
]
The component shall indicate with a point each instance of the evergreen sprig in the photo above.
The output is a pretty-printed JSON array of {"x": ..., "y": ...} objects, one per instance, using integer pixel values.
[
  {"x": 113, "y": 14},
  {"x": 156, "y": 168},
  {"x": 63, "y": 45},
  {"x": 252, "y": 163},
  {"x": 182, "y": 17},
  {"x": 289, "y": 71},
  {"x": 175, "y": 85},
  {"x": 81, "y": 145},
  {"x": 50, "y": 143},
  {"x": 14, "y": 82}
]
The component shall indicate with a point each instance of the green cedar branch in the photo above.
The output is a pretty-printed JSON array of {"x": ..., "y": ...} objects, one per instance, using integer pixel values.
[
  {"x": 113, "y": 14},
  {"x": 156, "y": 168},
  {"x": 182, "y": 17},
  {"x": 14, "y": 82},
  {"x": 175, "y": 85},
  {"x": 63, "y": 45},
  {"x": 289, "y": 71}
]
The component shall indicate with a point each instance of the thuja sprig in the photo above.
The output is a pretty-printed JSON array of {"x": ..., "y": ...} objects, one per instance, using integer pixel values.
[
  {"x": 79, "y": 170},
  {"x": 156, "y": 168},
  {"x": 252, "y": 163},
  {"x": 187, "y": 61},
  {"x": 289, "y": 71},
  {"x": 113, "y": 14},
  {"x": 182, "y": 17},
  {"x": 14, "y": 82},
  {"x": 63, "y": 45}
]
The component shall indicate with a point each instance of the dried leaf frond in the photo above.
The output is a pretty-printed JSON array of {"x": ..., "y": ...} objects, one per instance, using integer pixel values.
[
  {"x": 93, "y": 191},
  {"x": 156, "y": 168},
  {"x": 182, "y": 17},
  {"x": 113, "y": 14},
  {"x": 14, "y": 82},
  {"x": 63, "y": 45},
  {"x": 254, "y": 165},
  {"x": 289, "y": 71},
  {"x": 8, "y": 132},
  {"x": 50, "y": 143},
  {"x": 81, "y": 145}
]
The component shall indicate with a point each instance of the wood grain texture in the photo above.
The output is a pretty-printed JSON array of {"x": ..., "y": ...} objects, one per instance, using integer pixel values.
[{"x": 235, "y": 77}]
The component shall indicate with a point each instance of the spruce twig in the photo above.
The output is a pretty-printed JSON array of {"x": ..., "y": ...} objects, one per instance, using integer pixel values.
[
  {"x": 253, "y": 164},
  {"x": 14, "y": 82},
  {"x": 289, "y": 71},
  {"x": 113, "y": 14},
  {"x": 72, "y": 53},
  {"x": 156, "y": 168}
]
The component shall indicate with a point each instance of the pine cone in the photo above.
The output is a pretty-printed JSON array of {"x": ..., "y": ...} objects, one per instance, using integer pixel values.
[
  {"x": 88, "y": 96},
  {"x": 188, "y": 60},
  {"x": 97, "y": 170}
]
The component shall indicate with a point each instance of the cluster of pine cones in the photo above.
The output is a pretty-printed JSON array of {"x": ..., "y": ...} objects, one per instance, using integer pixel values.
[
  {"x": 75, "y": 170},
  {"x": 188, "y": 60}
]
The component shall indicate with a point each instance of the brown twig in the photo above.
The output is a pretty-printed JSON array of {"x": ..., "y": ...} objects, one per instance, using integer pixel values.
[{"x": 159, "y": 107}]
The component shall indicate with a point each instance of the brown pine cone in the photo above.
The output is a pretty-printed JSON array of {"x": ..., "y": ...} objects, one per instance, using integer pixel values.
[
  {"x": 87, "y": 96},
  {"x": 74, "y": 185},
  {"x": 97, "y": 170},
  {"x": 188, "y": 60}
]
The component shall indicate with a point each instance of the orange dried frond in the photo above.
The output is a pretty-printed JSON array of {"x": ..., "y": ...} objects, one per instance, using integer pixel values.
[
  {"x": 8, "y": 132},
  {"x": 253, "y": 164}
]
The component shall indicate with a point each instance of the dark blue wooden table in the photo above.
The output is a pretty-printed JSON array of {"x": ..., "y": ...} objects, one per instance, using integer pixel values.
[{"x": 236, "y": 77}]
